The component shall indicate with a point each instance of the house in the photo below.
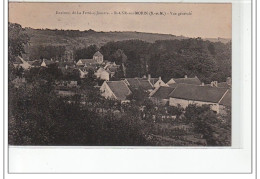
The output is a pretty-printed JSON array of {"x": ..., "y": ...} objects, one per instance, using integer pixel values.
[
  {"x": 160, "y": 95},
  {"x": 83, "y": 73},
  {"x": 116, "y": 90},
  {"x": 156, "y": 82},
  {"x": 185, "y": 80},
  {"x": 46, "y": 63},
  {"x": 97, "y": 59},
  {"x": 185, "y": 94},
  {"x": 20, "y": 62},
  {"x": 103, "y": 74},
  {"x": 139, "y": 83}
]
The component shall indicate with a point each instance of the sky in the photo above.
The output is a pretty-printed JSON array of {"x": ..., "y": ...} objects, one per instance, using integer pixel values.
[{"x": 200, "y": 20}]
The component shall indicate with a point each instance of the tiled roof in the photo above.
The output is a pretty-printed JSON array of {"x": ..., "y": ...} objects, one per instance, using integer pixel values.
[
  {"x": 133, "y": 82},
  {"x": 145, "y": 84},
  {"x": 139, "y": 83},
  {"x": 194, "y": 81},
  {"x": 163, "y": 92},
  {"x": 198, "y": 93},
  {"x": 226, "y": 100},
  {"x": 98, "y": 54},
  {"x": 119, "y": 88},
  {"x": 173, "y": 85}
]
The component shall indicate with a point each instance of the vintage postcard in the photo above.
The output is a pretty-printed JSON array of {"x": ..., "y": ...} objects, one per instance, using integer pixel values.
[{"x": 119, "y": 74}]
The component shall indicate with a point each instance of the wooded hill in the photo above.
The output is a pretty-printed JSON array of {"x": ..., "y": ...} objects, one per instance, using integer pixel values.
[
  {"x": 78, "y": 39},
  {"x": 162, "y": 55}
]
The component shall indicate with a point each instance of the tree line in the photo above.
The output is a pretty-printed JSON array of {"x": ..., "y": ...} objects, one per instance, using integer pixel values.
[{"x": 209, "y": 61}]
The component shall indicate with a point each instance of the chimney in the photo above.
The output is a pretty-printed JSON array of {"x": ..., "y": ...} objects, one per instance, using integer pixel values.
[
  {"x": 144, "y": 76},
  {"x": 149, "y": 76},
  {"x": 66, "y": 66},
  {"x": 202, "y": 84},
  {"x": 185, "y": 76},
  {"x": 160, "y": 78},
  {"x": 212, "y": 84}
]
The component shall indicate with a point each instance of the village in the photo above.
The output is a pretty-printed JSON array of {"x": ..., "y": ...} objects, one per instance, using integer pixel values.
[
  {"x": 147, "y": 100},
  {"x": 176, "y": 91}
]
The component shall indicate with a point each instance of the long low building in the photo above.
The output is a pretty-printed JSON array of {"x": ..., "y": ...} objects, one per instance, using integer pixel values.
[
  {"x": 185, "y": 94},
  {"x": 160, "y": 96}
]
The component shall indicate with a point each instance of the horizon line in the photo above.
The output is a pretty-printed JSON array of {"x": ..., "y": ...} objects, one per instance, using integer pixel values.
[{"x": 45, "y": 28}]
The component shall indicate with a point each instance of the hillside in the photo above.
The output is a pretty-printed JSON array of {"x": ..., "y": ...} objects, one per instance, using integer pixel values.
[{"x": 78, "y": 39}]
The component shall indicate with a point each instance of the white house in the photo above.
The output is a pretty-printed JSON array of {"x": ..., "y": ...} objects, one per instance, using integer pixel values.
[
  {"x": 97, "y": 59},
  {"x": 186, "y": 94},
  {"x": 117, "y": 90},
  {"x": 102, "y": 74},
  {"x": 82, "y": 73},
  {"x": 157, "y": 82}
]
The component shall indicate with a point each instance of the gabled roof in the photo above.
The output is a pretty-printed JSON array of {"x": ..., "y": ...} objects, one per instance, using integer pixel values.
[
  {"x": 139, "y": 83},
  {"x": 163, "y": 92},
  {"x": 226, "y": 100},
  {"x": 194, "y": 81},
  {"x": 48, "y": 62},
  {"x": 173, "y": 85},
  {"x": 146, "y": 85},
  {"x": 98, "y": 54},
  {"x": 119, "y": 88},
  {"x": 198, "y": 93}
]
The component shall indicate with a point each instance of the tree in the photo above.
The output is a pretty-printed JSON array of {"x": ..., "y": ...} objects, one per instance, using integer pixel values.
[
  {"x": 173, "y": 110},
  {"x": 85, "y": 53},
  {"x": 17, "y": 39},
  {"x": 119, "y": 57},
  {"x": 203, "y": 120}
]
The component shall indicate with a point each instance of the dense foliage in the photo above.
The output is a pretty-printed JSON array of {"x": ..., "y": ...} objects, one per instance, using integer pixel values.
[
  {"x": 47, "y": 52},
  {"x": 172, "y": 58}
]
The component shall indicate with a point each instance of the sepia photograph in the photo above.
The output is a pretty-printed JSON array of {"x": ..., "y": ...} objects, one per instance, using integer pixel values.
[{"x": 120, "y": 74}]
